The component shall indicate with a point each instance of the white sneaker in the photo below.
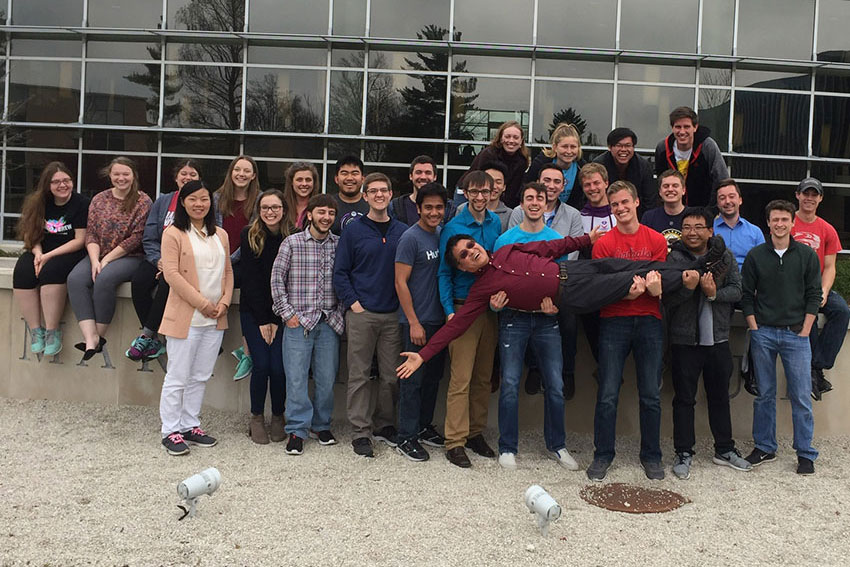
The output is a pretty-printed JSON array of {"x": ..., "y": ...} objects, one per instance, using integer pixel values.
[
  {"x": 507, "y": 461},
  {"x": 563, "y": 458}
]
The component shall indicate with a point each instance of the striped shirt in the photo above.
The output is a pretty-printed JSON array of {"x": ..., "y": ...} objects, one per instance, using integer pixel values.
[{"x": 302, "y": 281}]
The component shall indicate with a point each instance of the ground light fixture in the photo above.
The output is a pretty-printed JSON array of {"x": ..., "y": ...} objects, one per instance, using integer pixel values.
[
  {"x": 541, "y": 503},
  {"x": 205, "y": 482}
]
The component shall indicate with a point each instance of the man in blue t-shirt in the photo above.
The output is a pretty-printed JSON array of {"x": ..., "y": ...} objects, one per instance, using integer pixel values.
[{"x": 417, "y": 260}]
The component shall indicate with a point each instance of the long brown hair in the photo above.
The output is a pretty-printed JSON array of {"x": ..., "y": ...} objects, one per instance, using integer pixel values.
[
  {"x": 132, "y": 197},
  {"x": 227, "y": 191},
  {"x": 290, "y": 200},
  {"x": 496, "y": 142},
  {"x": 31, "y": 226},
  {"x": 256, "y": 232}
]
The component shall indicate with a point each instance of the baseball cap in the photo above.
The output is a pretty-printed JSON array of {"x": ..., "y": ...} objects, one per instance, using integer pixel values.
[{"x": 810, "y": 183}]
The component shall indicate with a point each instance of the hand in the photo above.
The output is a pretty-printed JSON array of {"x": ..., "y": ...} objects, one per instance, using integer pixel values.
[
  {"x": 159, "y": 265},
  {"x": 38, "y": 262},
  {"x": 96, "y": 267},
  {"x": 417, "y": 334},
  {"x": 637, "y": 289},
  {"x": 823, "y": 297},
  {"x": 804, "y": 334},
  {"x": 268, "y": 331},
  {"x": 357, "y": 308},
  {"x": 209, "y": 310},
  {"x": 709, "y": 287},
  {"x": 293, "y": 322},
  {"x": 498, "y": 300},
  {"x": 653, "y": 283},
  {"x": 595, "y": 235},
  {"x": 449, "y": 317},
  {"x": 690, "y": 279},
  {"x": 409, "y": 366},
  {"x": 548, "y": 307},
  {"x": 220, "y": 309}
]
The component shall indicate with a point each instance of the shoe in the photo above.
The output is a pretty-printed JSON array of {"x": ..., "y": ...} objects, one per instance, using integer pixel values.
[
  {"x": 257, "y": 430},
  {"x": 823, "y": 384},
  {"x": 387, "y": 434},
  {"x": 53, "y": 343},
  {"x": 363, "y": 447},
  {"x": 815, "y": 387},
  {"x": 295, "y": 445},
  {"x": 569, "y": 386},
  {"x": 197, "y": 436},
  {"x": 479, "y": 446},
  {"x": 88, "y": 353},
  {"x": 276, "y": 431},
  {"x": 175, "y": 444},
  {"x": 682, "y": 468},
  {"x": 805, "y": 466},
  {"x": 324, "y": 437},
  {"x": 154, "y": 349},
  {"x": 413, "y": 451},
  {"x": 37, "y": 340},
  {"x": 758, "y": 457},
  {"x": 533, "y": 381},
  {"x": 137, "y": 348},
  {"x": 507, "y": 461},
  {"x": 653, "y": 471},
  {"x": 598, "y": 470},
  {"x": 457, "y": 457},
  {"x": 429, "y": 436},
  {"x": 245, "y": 364},
  {"x": 732, "y": 459},
  {"x": 563, "y": 458}
]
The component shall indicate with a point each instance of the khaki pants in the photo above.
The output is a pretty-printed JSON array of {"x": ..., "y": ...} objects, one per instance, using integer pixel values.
[
  {"x": 468, "y": 396},
  {"x": 367, "y": 331}
]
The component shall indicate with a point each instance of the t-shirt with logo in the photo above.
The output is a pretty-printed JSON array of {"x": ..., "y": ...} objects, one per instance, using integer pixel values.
[
  {"x": 819, "y": 235},
  {"x": 670, "y": 226},
  {"x": 60, "y": 222},
  {"x": 645, "y": 244},
  {"x": 683, "y": 159},
  {"x": 347, "y": 212},
  {"x": 420, "y": 249},
  {"x": 597, "y": 217}
]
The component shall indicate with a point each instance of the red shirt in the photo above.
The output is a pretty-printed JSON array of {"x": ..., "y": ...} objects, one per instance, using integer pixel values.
[
  {"x": 645, "y": 244},
  {"x": 820, "y": 236},
  {"x": 234, "y": 223},
  {"x": 526, "y": 272}
]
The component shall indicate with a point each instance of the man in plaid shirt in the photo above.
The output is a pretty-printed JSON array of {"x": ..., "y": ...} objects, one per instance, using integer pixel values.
[{"x": 304, "y": 298}]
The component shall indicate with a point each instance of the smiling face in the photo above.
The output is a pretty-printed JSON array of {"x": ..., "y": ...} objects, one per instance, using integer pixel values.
[
  {"x": 553, "y": 179},
  {"x": 809, "y": 201},
  {"x": 243, "y": 174},
  {"x": 271, "y": 210},
  {"x": 511, "y": 139},
  {"x": 780, "y": 222},
  {"x": 431, "y": 211},
  {"x": 623, "y": 151},
  {"x": 470, "y": 256},
  {"x": 477, "y": 197},
  {"x": 695, "y": 234},
  {"x": 498, "y": 184},
  {"x": 321, "y": 220},
  {"x": 121, "y": 177},
  {"x": 683, "y": 130},
  {"x": 623, "y": 207},
  {"x": 566, "y": 150},
  {"x": 349, "y": 179},
  {"x": 422, "y": 174},
  {"x": 671, "y": 190},
  {"x": 378, "y": 196},
  {"x": 197, "y": 204},
  {"x": 728, "y": 201},
  {"x": 185, "y": 175},
  {"x": 594, "y": 189},
  {"x": 302, "y": 184},
  {"x": 61, "y": 187},
  {"x": 533, "y": 204}
]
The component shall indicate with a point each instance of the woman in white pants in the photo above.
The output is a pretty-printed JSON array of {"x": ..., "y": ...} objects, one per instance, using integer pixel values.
[{"x": 196, "y": 265}]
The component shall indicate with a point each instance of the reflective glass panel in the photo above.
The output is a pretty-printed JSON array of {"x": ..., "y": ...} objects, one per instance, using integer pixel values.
[
  {"x": 279, "y": 147},
  {"x": 479, "y": 106},
  {"x": 494, "y": 21},
  {"x": 350, "y": 17},
  {"x": 44, "y": 91},
  {"x": 406, "y": 105},
  {"x": 463, "y": 154},
  {"x": 832, "y": 80},
  {"x": 286, "y": 55},
  {"x": 403, "y": 152},
  {"x": 217, "y": 52},
  {"x": 22, "y": 172},
  {"x": 779, "y": 29},
  {"x": 832, "y": 173},
  {"x": 411, "y": 60},
  {"x": 799, "y": 81},
  {"x": 833, "y": 41},
  {"x": 285, "y": 100},
  {"x": 123, "y": 50},
  {"x": 291, "y": 16},
  {"x": 47, "y": 13},
  {"x": 493, "y": 65},
  {"x": 207, "y": 97},
  {"x": 410, "y": 19},
  {"x": 47, "y": 47},
  {"x": 592, "y": 24},
  {"x": 42, "y": 138},
  {"x": 656, "y": 73},
  {"x": 200, "y": 144},
  {"x": 119, "y": 141},
  {"x": 586, "y": 105},
  {"x": 347, "y": 58},
  {"x": 210, "y": 15},
  {"x": 122, "y": 93},
  {"x": 714, "y": 114},
  {"x": 92, "y": 182},
  {"x": 772, "y": 169},
  {"x": 575, "y": 68},
  {"x": 718, "y": 26},
  {"x": 830, "y": 132},
  {"x": 715, "y": 76},
  {"x": 212, "y": 172},
  {"x": 646, "y": 110},
  {"x": 125, "y": 13},
  {"x": 644, "y": 25},
  {"x": 398, "y": 177},
  {"x": 770, "y": 123},
  {"x": 346, "y": 102}
]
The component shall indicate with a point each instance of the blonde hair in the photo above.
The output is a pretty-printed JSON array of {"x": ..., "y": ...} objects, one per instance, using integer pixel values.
[
  {"x": 256, "y": 232},
  {"x": 227, "y": 191},
  {"x": 563, "y": 130},
  {"x": 496, "y": 142}
]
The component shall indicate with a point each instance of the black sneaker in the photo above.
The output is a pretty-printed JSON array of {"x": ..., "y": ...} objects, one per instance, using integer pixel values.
[
  {"x": 175, "y": 444},
  {"x": 324, "y": 437},
  {"x": 363, "y": 447},
  {"x": 295, "y": 445},
  {"x": 758, "y": 457},
  {"x": 598, "y": 470},
  {"x": 653, "y": 471},
  {"x": 479, "y": 446},
  {"x": 815, "y": 387},
  {"x": 197, "y": 436},
  {"x": 430, "y": 437},
  {"x": 413, "y": 450},
  {"x": 805, "y": 466},
  {"x": 388, "y": 435},
  {"x": 824, "y": 385}
]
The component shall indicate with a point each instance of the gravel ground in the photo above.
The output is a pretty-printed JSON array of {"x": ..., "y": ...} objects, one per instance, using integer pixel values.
[{"x": 83, "y": 484}]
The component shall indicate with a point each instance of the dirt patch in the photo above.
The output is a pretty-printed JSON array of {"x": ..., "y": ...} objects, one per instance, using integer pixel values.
[{"x": 621, "y": 497}]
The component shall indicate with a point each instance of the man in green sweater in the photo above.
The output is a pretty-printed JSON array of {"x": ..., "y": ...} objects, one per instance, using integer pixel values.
[{"x": 782, "y": 294}]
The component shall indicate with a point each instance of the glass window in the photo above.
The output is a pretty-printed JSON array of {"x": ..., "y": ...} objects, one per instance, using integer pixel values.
[
  {"x": 480, "y": 105},
  {"x": 346, "y": 102},
  {"x": 208, "y": 97},
  {"x": 656, "y": 73},
  {"x": 286, "y": 55},
  {"x": 216, "y": 52},
  {"x": 47, "y": 13},
  {"x": 347, "y": 58},
  {"x": 586, "y": 105},
  {"x": 779, "y": 29},
  {"x": 285, "y": 100},
  {"x": 830, "y": 135},
  {"x": 494, "y": 21},
  {"x": 292, "y": 16},
  {"x": 410, "y": 19},
  {"x": 714, "y": 114},
  {"x": 799, "y": 81},
  {"x": 771, "y": 169},
  {"x": 47, "y": 47},
  {"x": 44, "y": 91},
  {"x": 832, "y": 80},
  {"x": 212, "y": 172},
  {"x": 223, "y": 15},
  {"x": 715, "y": 76},
  {"x": 593, "y": 24},
  {"x": 833, "y": 42},
  {"x": 410, "y": 60},
  {"x": 494, "y": 65},
  {"x": 123, "y": 50},
  {"x": 42, "y": 138},
  {"x": 575, "y": 68},
  {"x": 757, "y": 196},
  {"x": 22, "y": 172},
  {"x": 646, "y": 110},
  {"x": 463, "y": 154},
  {"x": 92, "y": 182},
  {"x": 122, "y": 93},
  {"x": 200, "y": 144},
  {"x": 279, "y": 147},
  {"x": 119, "y": 141},
  {"x": 718, "y": 25},
  {"x": 350, "y": 17},
  {"x": 406, "y": 105},
  {"x": 647, "y": 25},
  {"x": 125, "y": 13},
  {"x": 398, "y": 177},
  {"x": 832, "y": 173},
  {"x": 770, "y": 123},
  {"x": 403, "y": 152}
]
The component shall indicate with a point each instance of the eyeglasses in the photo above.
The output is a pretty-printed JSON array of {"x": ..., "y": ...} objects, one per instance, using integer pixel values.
[
  {"x": 477, "y": 192},
  {"x": 58, "y": 182},
  {"x": 467, "y": 250},
  {"x": 377, "y": 190},
  {"x": 270, "y": 208},
  {"x": 697, "y": 228},
  {"x": 624, "y": 146}
]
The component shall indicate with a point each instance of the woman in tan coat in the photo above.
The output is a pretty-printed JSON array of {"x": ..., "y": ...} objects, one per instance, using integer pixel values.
[{"x": 196, "y": 265}]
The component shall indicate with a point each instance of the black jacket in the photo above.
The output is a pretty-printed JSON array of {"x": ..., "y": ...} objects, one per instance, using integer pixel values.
[
  {"x": 705, "y": 169},
  {"x": 256, "y": 272},
  {"x": 638, "y": 173}
]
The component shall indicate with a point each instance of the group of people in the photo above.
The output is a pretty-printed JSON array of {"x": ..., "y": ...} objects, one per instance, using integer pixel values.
[{"x": 523, "y": 252}]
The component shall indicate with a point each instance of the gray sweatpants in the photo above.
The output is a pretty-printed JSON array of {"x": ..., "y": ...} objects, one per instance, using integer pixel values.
[{"x": 96, "y": 299}]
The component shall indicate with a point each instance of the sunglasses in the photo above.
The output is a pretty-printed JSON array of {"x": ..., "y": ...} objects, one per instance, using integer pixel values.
[{"x": 467, "y": 250}]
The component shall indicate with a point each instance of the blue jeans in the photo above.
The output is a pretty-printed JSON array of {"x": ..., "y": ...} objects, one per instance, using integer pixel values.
[
  {"x": 795, "y": 352},
  {"x": 417, "y": 395},
  {"x": 644, "y": 337},
  {"x": 517, "y": 330},
  {"x": 318, "y": 348},
  {"x": 827, "y": 342},
  {"x": 267, "y": 373}
]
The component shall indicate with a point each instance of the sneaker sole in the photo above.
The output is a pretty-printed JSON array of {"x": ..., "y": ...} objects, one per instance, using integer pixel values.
[
  {"x": 45, "y": 353},
  {"x": 723, "y": 463},
  {"x": 682, "y": 477},
  {"x": 175, "y": 453},
  {"x": 295, "y": 453},
  {"x": 409, "y": 457},
  {"x": 598, "y": 478},
  {"x": 508, "y": 466},
  {"x": 204, "y": 445},
  {"x": 567, "y": 465},
  {"x": 432, "y": 443},
  {"x": 762, "y": 461},
  {"x": 325, "y": 443},
  {"x": 385, "y": 440}
]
